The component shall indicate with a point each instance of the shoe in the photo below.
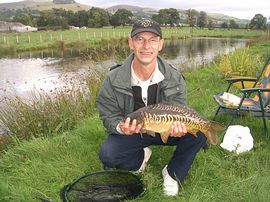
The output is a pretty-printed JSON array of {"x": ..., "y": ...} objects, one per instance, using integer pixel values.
[
  {"x": 147, "y": 155},
  {"x": 170, "y": 186}
]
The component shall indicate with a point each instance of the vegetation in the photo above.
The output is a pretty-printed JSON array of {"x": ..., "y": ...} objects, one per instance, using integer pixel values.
[{"x": 43, "y": 165}]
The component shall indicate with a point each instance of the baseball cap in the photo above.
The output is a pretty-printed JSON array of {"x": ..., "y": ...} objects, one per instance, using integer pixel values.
[{"x": 146, "y": 25}]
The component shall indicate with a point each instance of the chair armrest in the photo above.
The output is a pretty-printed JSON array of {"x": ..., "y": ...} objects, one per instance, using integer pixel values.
[
  {"x": 233, "y": 80},
  {"x": 250, "y": 90},
  {"x": 242, "y": 80}
]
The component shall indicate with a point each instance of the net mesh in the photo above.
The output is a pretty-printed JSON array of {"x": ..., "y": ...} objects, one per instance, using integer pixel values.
[{"x": 105, "y": 186}]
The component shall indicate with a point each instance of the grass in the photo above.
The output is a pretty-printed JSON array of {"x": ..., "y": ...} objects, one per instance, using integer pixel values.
[{"x": 43, "y": 165}]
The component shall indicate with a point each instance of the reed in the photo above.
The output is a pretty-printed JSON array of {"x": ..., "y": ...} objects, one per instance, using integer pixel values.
[
  {"x": 240, "y": 63},
  {"x": 43, "y": 113}
]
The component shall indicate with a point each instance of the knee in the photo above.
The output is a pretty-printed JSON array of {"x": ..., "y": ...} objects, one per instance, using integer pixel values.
[
  {"x": 106, "y": 153},
  {"x": 201, "y": 138}
]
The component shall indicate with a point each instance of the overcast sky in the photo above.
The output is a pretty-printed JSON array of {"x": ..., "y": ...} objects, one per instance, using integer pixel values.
[{"x": 245, "y": 9}]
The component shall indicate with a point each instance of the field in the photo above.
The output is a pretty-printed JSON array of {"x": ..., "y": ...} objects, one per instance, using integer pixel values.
[{"x": 91, "y": 36}]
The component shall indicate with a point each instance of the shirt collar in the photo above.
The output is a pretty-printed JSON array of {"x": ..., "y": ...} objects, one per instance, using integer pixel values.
[{"x": 156, "y": 77}]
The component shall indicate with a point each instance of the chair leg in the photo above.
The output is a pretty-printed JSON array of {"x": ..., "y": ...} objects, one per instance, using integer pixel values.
[
  {"x": 216, "y": 112},
  {"x": 264, "y": 124}
]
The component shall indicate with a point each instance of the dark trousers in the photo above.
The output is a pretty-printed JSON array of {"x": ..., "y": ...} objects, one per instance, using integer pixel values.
[{"x": 126, "y": 152}]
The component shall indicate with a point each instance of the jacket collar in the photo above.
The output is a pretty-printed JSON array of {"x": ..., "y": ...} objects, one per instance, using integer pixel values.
[{"x": 123, "y": 78}]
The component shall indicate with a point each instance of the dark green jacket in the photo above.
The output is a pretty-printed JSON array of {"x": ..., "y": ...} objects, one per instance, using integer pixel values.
[{"x": 115, "y": 99}]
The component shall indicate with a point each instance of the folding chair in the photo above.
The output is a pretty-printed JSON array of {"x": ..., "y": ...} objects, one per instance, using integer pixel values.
[{"x": 258, "y": 106}]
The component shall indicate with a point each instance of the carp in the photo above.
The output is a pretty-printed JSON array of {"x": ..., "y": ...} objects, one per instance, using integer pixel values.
[{"x": 158, "y": 118}]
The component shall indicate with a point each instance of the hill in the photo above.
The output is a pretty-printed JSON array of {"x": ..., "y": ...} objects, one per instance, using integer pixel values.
[
  {"x": 136, "y": 10},
  {"x": 148, "y": 12},
  {"x": 44, "y": 5}
]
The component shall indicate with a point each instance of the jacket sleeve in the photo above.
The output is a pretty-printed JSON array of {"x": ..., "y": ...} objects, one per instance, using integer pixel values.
[
  {"x": 109, "y": 110},
  {"x": 175, "y": 91}
]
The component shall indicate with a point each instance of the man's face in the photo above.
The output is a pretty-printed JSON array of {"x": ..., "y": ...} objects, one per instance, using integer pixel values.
[{"x": 146, "y": 46}]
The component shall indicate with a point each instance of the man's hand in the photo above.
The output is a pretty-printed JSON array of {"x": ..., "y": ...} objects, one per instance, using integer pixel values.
[
  {"x": 178, "y": 129},
  {"x": 129, "y": 128}
]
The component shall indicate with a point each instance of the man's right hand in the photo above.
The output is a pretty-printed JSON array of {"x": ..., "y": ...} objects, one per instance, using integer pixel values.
[{"x": 129, "y": 128}]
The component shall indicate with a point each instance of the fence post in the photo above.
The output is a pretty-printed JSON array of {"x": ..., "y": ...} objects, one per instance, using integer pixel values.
[
  {"x": 17, "y": 39},
  {"x": 40, "y": 38},
  {"x": 29, "y": 39}
]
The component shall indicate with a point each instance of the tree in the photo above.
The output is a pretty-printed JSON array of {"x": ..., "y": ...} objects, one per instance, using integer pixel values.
[
  {"x": 49, "y": 19},
  {"x": 192, "y": 17},
  {"x": 233, "y": 24},
  {"x": 224, "y": 25},
  {"x": 98, "y": 17},
  {"x": 167, "y": 17},
  {"x": 24, "y": 18},
  {"x": 81, "y": 18},
  {"x": 202, "y": 19},
  {"x": 258, "y": 22},
  {"x": 121, "y": 17}
]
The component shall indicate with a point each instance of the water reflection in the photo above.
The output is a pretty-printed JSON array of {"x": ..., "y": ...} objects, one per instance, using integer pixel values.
[{"x": 191, "y": 53}]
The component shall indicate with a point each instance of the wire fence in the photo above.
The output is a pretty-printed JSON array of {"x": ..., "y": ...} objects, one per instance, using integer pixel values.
[{"x": 92, "y": 34}]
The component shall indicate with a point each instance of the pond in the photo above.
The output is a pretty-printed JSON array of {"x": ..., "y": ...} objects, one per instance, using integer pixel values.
[{"x": 20, "y": 73}]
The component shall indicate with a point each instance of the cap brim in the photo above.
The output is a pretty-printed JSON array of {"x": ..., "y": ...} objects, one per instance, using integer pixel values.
[{"x": 137, "y": 31}]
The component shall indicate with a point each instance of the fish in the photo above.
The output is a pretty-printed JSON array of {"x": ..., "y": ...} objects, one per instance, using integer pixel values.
[{"x": 158, "y": 118}]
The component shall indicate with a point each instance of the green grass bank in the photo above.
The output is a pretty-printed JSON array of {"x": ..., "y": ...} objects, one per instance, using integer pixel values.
[{"x": 43, "y": 165}]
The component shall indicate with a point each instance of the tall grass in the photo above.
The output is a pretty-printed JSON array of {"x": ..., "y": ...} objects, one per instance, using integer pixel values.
[
  {"x": 44, "y": 113},
  {"x": 240, "y": 63}
]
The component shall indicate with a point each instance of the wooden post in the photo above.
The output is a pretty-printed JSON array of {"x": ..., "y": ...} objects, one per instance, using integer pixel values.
[
  {"x": 17, "y": 39},
  {"x": 29, "y": 39},
  {"x": 40, "y": 38},
  {"x": 51, "y": 37},
  {"x": 5, "y": 40}
]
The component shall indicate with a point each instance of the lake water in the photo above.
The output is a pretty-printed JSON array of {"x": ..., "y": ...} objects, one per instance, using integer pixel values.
[{"x": 45, "y": 70}]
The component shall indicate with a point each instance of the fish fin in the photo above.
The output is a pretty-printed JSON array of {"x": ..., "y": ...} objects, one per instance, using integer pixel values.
[
  {"x": 211, "y": 136},
  {"x": 164, "y": 136},
  {"x": 152, "y": 133},
  {"x": 216, "y": 126},
  {"x": 210, "y": 133}
]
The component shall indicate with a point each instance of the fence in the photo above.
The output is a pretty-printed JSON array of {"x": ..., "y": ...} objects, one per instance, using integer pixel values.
[{"x": 91, "y": 34}]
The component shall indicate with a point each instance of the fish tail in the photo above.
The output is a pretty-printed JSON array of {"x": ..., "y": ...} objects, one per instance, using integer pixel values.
[{"x": 210, "y": 133}]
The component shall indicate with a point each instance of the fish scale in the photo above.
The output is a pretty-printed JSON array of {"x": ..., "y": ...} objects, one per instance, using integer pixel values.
[{"x": 158, "y": 118}]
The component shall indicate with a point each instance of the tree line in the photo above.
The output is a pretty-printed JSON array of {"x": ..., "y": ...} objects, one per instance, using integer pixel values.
[{"x": 98, "y": 17}]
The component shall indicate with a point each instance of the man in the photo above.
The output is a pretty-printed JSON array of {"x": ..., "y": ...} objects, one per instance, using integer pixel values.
[{"x": 144, "y": 78}]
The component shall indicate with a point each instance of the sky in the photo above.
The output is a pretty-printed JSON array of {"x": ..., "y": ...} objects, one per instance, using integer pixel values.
[{"x": 243, "y": 9}]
